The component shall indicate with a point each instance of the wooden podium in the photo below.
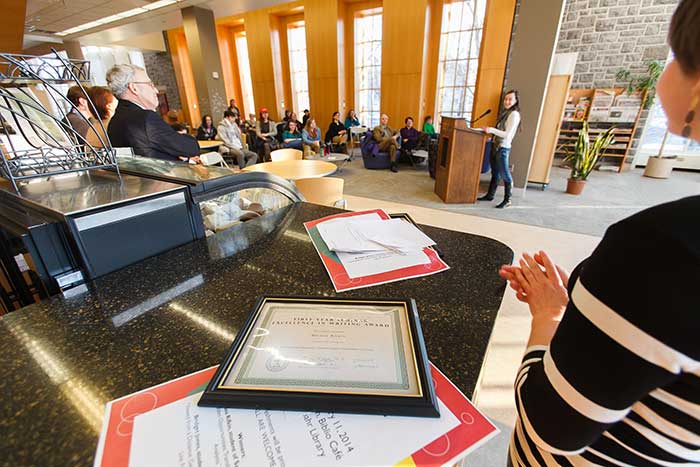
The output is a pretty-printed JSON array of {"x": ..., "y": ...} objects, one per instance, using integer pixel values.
[{"x": 458, "y": 167}]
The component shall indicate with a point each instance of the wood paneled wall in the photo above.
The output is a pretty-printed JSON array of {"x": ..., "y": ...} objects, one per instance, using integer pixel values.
[
  {"x": 324, "y": 27},
  {"x": 493, "y": 58},
  {"x": 229, "y": 68},
  {"x": 410, "y": 55},
  {"x": 403, "y": 33},
  {"x": 262, "y": 72},
  {"x": 12, "y": 26}
]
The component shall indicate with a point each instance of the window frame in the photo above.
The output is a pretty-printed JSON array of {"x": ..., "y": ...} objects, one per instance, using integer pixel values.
[
  {"x": 298, "y": 78},
  {"x": 368, "y": 71},
  {"x": 454, "y": 55}
]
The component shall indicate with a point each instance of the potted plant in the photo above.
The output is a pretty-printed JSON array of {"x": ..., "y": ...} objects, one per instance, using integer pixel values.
[
  {"x": 644, "y": 85},
  {"x": 585, "y": 157},
  {"x": 659, "y": 166}
]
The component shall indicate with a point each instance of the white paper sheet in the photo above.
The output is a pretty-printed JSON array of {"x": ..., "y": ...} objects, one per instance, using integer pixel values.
[
  {"x": 182, "y": 434},
  {"x": 366, "y": 233},
  {"x": 378, "y": 262}
]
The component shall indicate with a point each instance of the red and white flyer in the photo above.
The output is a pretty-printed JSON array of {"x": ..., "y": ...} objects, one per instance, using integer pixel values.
[
  {"x": 342, "y": 281},
  {"x": 163, "y": 426}
]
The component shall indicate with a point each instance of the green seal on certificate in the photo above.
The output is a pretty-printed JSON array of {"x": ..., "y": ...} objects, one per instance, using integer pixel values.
[
  {"x": 275, "y": 365},
  {"x": 327, "y": 354}
]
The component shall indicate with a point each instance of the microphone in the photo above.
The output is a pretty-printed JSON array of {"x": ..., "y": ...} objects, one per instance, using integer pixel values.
[{"x": 488, "y": 111}]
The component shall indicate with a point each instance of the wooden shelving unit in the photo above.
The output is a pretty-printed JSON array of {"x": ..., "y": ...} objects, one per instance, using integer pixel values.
[{"x": 598, "y": 100}]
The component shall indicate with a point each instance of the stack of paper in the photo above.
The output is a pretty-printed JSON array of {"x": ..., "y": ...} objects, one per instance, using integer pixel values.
[
  {"x": 366, "y": 248},
  {"x": 367, "y": 244}
]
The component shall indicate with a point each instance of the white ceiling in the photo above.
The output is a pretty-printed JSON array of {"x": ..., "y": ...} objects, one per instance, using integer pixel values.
[{"x": 58, "y": 15}]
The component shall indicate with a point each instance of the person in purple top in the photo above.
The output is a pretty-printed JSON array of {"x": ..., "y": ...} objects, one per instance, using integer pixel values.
[{"x": 409, "y": 137}]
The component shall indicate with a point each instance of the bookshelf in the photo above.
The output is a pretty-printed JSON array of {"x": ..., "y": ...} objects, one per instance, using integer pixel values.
[{"x": 602, "y": 108}]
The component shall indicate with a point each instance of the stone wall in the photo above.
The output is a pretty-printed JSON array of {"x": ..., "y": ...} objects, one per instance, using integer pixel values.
[
  {"x": 159, "y": 67},
  {"x": 610, "y": 35}
]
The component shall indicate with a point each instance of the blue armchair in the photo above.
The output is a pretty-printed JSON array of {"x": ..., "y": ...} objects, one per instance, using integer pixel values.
[{"x": 371, "y": 156}]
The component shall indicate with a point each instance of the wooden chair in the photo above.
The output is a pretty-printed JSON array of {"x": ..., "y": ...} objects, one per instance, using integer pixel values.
[
  {"x": 327, "y": 191},
  {"x": 286, "y": 154}
]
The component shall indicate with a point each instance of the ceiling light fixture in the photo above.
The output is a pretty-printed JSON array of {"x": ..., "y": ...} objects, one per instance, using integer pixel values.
[{"x": 118, "y": 16}]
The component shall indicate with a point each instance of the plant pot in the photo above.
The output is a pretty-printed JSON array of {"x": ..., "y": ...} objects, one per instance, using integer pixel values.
[
  {"x": 575, "y": 187},
  {"x": 658, "y": 167}
]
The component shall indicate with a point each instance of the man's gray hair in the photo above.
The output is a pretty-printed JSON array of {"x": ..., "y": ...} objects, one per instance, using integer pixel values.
[{"x": 119, "y": 77}]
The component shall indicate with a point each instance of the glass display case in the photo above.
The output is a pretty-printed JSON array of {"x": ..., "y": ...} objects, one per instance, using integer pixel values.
[
  {"x": 222, "y": 197},
  {"x": 81, "y": 225}
]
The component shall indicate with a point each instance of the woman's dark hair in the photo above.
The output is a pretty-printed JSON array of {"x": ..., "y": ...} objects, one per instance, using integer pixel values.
[
  {"x": 100, "y": 97},
  {"x": 516, "y": 106},
  {"x": 351, "y": 111},
  {"x": 427, "y": 117},
  {"x": 334, "y": 114},
  {"x": 684, "y": 36},
  {"x": 204, "y": 120},
  {"x": 178, "y": 127},
  {"x": 405, "y": 120},
  {"x": 287, "y": 115}
]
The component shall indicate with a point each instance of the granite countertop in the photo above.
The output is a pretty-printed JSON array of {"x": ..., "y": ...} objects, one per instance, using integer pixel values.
[{"x": 170, "y": 315}]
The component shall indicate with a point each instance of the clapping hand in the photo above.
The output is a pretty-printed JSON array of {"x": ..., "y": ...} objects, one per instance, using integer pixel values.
[{"x": 539, "y": 283}]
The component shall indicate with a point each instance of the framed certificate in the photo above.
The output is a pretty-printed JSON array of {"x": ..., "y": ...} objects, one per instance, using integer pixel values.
[{"x": 327, "y": 354}]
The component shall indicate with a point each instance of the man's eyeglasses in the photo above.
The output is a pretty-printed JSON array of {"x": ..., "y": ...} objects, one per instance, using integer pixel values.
[{"x": 150, "y": 83}]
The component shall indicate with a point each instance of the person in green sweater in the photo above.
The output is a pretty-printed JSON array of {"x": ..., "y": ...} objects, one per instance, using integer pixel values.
[
  {"x": 428, "y": 127},
  {"x": 292, "y": 137}
]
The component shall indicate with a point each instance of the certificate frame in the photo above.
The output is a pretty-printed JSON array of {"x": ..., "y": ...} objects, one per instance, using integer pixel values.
[{"x": 412, "y": 395}]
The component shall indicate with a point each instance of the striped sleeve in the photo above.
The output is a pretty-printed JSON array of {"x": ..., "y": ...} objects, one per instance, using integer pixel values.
[{"x": 620, "y": 339}]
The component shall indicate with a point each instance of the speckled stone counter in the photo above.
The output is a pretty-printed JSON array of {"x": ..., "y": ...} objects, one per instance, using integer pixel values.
[{"x": 63, "y": 359}]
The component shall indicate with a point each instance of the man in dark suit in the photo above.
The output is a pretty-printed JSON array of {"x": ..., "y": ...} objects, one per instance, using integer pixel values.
[{"x": 135, "y": 124}]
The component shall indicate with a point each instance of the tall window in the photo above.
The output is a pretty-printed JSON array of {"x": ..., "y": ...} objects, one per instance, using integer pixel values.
[
  {"x": 460, "y": 40},
  {"x": 298, "y": 69},
  {"x": 368, "y": 67},
  {"x": 244, "y": 72},
  {"x": 654, "y": 132}
]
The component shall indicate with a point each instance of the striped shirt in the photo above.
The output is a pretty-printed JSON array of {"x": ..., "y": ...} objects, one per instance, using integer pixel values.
[{"x": 619, "y": 384}]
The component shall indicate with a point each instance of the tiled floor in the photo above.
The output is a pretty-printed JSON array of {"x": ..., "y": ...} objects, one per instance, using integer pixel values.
[{"x": 495, "y": 394}]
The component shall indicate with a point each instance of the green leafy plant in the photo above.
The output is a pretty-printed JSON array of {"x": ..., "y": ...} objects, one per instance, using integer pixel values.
[
  {"x": 585, "y": 155},
  {"x": 646, "y": 83}
]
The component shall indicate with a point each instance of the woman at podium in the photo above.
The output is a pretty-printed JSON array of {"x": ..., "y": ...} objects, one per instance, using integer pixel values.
[{"x": 506, "y": 128}]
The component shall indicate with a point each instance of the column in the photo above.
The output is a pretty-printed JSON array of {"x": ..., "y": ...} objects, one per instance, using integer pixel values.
[
  {"x": 203, "y": 47},
  {"x": 533, "y": 51}
]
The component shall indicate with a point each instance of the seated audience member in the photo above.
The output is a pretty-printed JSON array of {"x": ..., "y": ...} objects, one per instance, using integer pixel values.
[
  {"x": 311, "y": 138},
  {"x": 293, "y": 118},
  {"x": 230, "y": 134},
  {"x": 266, "y": 134},
  {"x": 180, "y": 128},
  {"x": 287, "y": 115},
  {"x": 305, "y": 118},
  {"x": 171, "y": 117},
  {"x": 135, "y": 124},
  {"x": 207, "y": 130},
  {"x": 234, "y": 108},
  {"x": 409, "y": 136},
  {"x": 387, "y": 140},
  {"x": 105, "y": 105},
  {"x": 428, "y": 127},
  {"x": 74, "y": 118},
  {"x": 249, "y": 124},
  {"x": 337, "y": 134},
  {"x": 291, "y": 137},
  {"x": 351, "y": 119}
]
